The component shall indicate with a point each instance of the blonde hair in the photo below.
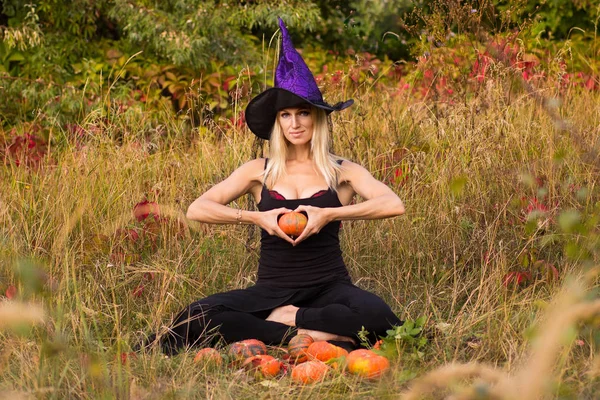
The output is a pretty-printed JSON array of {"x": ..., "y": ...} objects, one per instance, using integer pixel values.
[{"x": 326, "y": 163}]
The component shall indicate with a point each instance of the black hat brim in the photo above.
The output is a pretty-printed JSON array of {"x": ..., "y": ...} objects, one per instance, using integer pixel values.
[{"x": 262, "y": 110}]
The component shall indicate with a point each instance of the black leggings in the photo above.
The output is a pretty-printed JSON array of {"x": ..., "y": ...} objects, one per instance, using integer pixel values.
[{"x": 339, "y": 308}]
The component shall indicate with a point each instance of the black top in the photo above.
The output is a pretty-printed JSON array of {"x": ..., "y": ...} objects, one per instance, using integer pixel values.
[
  {"x": 288, "y": 274},
  {"x": 316, "y": 260}
]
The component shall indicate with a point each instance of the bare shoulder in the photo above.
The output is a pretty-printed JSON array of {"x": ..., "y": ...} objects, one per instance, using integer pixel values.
[
  {"x": 245, "y": 179},
  {"x": 351, "y": 170},
  {"x": 252, "y": 169},
  {"x": 361, "y": 181}
]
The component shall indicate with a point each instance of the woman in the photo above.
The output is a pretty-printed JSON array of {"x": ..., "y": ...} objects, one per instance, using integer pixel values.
[{"x": 303, "y": 285}]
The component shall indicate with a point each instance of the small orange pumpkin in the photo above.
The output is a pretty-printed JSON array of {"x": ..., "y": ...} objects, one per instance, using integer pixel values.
[
  {"x": 324, "y": 351},
  {"x": 297, "y": 347},
  {"x": 292, "y": 223},
  {"x": 208, "y": 356},
  {"x": 247, "y": 348},
  {"x": 267, "y": 365},
  {"x": 309, "y": 372},
  {"x": 367, "y": 364}
]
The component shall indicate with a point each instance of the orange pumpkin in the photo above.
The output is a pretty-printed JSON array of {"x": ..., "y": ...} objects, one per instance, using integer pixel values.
[
  {"x": 268, "y": 366},
  {"x": 367, "y": 364},
  {"x": 309, "y": 372},
  {"x": 292, "y": 223},
  {"x": 208, "y": 356},
  {"x": 324, "y": 351},
  {"x": 297, "y": 347},
  {"x": 246, "y": 348}
]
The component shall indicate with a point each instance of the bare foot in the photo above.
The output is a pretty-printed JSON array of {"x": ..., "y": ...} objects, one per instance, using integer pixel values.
[
  {"x": 284, "y": 315},
  {"x": 319, "y": 335}
]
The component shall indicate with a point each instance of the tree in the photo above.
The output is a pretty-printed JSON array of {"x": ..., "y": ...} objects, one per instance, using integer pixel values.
[{"x": 186, "y": 33}]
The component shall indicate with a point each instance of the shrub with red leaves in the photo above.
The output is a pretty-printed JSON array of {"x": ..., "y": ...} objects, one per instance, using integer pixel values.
[{"x": 27, "y": 150}]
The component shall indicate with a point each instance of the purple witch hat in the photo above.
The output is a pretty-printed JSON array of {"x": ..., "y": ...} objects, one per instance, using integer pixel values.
[{"x": 295, "y": 85}]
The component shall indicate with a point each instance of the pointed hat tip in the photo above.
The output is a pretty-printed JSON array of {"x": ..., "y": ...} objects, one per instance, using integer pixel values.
[{"x": 282, "y": 24}]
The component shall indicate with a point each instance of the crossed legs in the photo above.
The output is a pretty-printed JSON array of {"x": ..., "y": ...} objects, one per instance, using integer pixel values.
[
  {"x": 287, "y": 315},
  {"x": 336, "y": 312},
  {"x": 339, "y": 313}
]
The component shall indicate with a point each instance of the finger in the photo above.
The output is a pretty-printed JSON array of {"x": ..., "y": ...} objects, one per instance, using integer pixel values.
[
  {"x": 299, "y": 239},
  {"x": 284, "y": 236},
  {"x": 306, "y": 233},
  {"x": 301, "y": 208},
  {"x": 278, "y": 212}
]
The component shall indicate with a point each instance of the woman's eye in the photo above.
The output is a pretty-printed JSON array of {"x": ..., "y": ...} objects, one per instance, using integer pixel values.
[
  {"x": 304, "y": 113},
  {"x": 284, "y": 115}
]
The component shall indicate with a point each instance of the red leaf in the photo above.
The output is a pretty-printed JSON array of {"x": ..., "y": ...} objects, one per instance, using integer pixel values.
[
  {"x": 149, "y": 276},
  {"x": 11, "y": 292},
  {"x": 515, "y": 278},
  {"x": 137, "y": 292},
  {"x": 127, "y": 356},
  {"x": 143, "y": 209},
  {"x": 547, "y": 270},
  {"x": 131, "y": 235},
  {"x": 285, "y": 367},
  {"x": 552, "y": 272}
]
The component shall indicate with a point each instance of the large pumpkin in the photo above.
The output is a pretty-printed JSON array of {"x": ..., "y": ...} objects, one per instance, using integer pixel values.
[
  {"x": 324, "y": 351},
  {"x": 246, "y": 348},
  {"x": 309, "y": 372},
  {"x": 367, "y": 364},
  {"x": 268, "y": 366},
  {"x": 297, "y": 348},
  {"x": 292, "y": 223}
]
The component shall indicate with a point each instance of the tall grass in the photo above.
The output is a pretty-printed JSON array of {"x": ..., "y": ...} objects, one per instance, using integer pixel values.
[{"x": 471, "y": 170}]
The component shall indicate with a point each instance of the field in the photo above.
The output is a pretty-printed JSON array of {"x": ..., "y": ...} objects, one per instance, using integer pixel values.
[{"x": 498, "y": 248}]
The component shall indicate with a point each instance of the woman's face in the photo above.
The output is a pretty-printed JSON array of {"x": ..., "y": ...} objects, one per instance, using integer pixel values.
[{"x": 296, "y": 124}]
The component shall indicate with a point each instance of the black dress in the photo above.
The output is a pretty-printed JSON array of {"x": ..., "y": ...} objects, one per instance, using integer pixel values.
[{"x": 311, "y": 276}]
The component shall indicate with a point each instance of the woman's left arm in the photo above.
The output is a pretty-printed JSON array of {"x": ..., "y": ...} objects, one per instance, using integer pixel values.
[{"x": 380, "y": 202}]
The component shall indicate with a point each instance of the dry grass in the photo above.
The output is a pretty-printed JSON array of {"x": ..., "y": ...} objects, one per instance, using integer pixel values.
[
  {"x": 446, "y": 258},
  {"x": 538, "y": 368}
]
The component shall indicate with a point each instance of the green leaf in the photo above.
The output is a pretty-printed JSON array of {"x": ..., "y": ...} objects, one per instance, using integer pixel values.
[
  {"x": 415, "y": 331},
  {"x": 16, "y": 57},
  {"x": 405, "y": 376},
  {"x": 568, "y": 220}
]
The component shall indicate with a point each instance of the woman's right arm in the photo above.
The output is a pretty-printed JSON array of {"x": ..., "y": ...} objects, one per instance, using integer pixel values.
[{"x": 211, "y": 207}]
